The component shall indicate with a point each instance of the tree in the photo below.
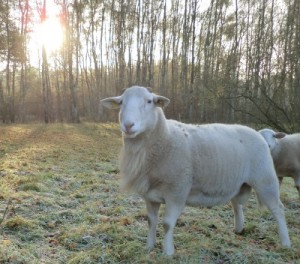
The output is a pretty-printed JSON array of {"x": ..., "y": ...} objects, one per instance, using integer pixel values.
[
  {"x": 218, "y": 61},
  {"x": 70, "y": 21}
]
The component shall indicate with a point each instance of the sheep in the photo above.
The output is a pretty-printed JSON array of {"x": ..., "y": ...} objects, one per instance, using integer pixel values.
[
  {"x": 176, "y": 164},
  {"x": 285, "y": 150}
]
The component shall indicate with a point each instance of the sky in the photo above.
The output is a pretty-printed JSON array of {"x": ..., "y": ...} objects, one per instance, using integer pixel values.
[{"x": 49, "y": 33}]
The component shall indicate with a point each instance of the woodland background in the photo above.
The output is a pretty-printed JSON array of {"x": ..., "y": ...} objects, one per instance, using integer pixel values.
[{"x": 218, "y": 61}]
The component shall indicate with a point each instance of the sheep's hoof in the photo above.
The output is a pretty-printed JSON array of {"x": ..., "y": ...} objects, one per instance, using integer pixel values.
[
  {"x": 286, "y": 244},
  {"x": 239, "y": 232},
  {"x": 169, "y": 252},
  {"x": 149, "y": 248}
]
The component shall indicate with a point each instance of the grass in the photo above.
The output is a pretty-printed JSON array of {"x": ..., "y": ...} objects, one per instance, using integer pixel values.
[{"x": 60, "y": 203}]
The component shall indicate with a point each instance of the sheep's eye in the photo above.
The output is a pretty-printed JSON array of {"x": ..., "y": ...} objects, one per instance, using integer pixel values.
[
  {"x": 120, "y": 102},
  {"x": 149, "y": 101}
]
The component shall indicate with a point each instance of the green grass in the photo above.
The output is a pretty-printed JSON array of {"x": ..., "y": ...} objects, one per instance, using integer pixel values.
[{"x": 60, "y": 203}]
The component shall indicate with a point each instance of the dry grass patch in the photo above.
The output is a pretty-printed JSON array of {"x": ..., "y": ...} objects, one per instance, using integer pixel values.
[{"x": 60, "y": 203}]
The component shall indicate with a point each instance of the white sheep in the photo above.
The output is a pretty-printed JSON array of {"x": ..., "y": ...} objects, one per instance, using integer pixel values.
[
  {"x": 177, "y": 164},
  {"x": 285, "y": 150}
]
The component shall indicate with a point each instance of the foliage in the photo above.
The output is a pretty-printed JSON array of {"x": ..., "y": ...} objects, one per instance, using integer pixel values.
[
  {"x": 60, "y": 203},
  {"x": 218, "y": 61}
]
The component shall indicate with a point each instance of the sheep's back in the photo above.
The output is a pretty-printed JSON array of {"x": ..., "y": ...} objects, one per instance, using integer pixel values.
[{"x": 221, "y": 157}]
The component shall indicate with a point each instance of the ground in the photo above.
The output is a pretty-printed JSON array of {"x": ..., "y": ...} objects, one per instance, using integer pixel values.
[{"x": 60, "y": 203}]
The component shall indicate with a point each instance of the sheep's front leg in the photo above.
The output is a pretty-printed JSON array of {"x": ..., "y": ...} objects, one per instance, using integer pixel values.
[
  {"x": 238, "y": 217},
  {"x": 152, "y": 209},
  {"x": 172, "y": 212}
]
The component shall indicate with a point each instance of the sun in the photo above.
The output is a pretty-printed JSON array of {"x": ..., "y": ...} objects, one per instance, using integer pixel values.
[{"x": 50, "y": 34}]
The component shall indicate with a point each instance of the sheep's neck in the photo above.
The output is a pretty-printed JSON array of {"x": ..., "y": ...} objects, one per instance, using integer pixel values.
[
  {"x": 139, "y": 156},
  {"x": 275, "y": 153}
]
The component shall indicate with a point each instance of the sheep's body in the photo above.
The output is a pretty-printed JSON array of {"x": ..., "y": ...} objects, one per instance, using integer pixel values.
[
  {"x": 285, "y": 150},
  {"x": 169, "y": 162},
  {"x": 206, "y": 162}
]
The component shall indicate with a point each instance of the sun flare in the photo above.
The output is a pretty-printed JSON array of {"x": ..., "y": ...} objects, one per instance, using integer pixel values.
[{"x": 51, "y": 34}]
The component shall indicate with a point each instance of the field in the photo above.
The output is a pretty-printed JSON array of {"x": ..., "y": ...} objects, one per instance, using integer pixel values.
[{"x": 60, "y": 203}]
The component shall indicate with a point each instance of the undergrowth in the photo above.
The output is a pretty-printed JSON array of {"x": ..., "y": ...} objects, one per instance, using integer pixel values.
[{"x": 60, "y": 203}]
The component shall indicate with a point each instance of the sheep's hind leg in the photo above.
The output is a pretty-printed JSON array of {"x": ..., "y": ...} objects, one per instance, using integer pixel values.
[
  {"x": 297, "y": 183},
  {"x": 280, "y": 179},
  {"x": 152, "y": 210},
  {"x": 269, "y": 196},
  {"x": 237, "y": 206}
]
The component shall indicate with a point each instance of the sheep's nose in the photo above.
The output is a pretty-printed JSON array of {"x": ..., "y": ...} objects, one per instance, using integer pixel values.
[{"x": 128, "y": 126}]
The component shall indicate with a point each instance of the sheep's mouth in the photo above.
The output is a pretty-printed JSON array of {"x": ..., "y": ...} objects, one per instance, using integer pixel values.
[{"x": 129, "y": 134}]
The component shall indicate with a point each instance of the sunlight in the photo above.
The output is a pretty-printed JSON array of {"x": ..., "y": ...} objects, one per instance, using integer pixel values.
[{"x": 50, "y": 34}]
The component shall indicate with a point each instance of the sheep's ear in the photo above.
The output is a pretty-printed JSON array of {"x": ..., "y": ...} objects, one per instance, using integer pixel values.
[
  {"x": 112, "y": 102},
  {"x": 161, "y": 100},
  {"x": 279, "y": 135}
]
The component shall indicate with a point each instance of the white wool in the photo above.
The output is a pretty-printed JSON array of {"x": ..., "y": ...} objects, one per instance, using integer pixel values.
[
  {"x": 179, "y": 164},
  {"x": 286, "y": 154}
]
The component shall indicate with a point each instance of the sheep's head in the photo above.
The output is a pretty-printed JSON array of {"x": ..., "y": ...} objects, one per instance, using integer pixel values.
[
  {"x": 271, "y": 137},
  {"x": 138, "y": 109}
]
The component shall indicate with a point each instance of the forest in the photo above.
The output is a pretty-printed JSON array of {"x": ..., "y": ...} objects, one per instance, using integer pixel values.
[{"x": 218, "y": 61}]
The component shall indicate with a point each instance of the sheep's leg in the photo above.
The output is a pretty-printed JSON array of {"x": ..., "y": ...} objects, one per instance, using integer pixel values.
[
  {"x": 297, "y": 183},
  {"x": 238, "y": 217},
  {"x": 152, "y": 209},
  {"x": 172, "y": 212},
  {"x": 278, "y": 213},
  {"x": 280, "y": 180},
  {"x": 237, "y": 206},
  {"x": 269, "y": 196}
]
